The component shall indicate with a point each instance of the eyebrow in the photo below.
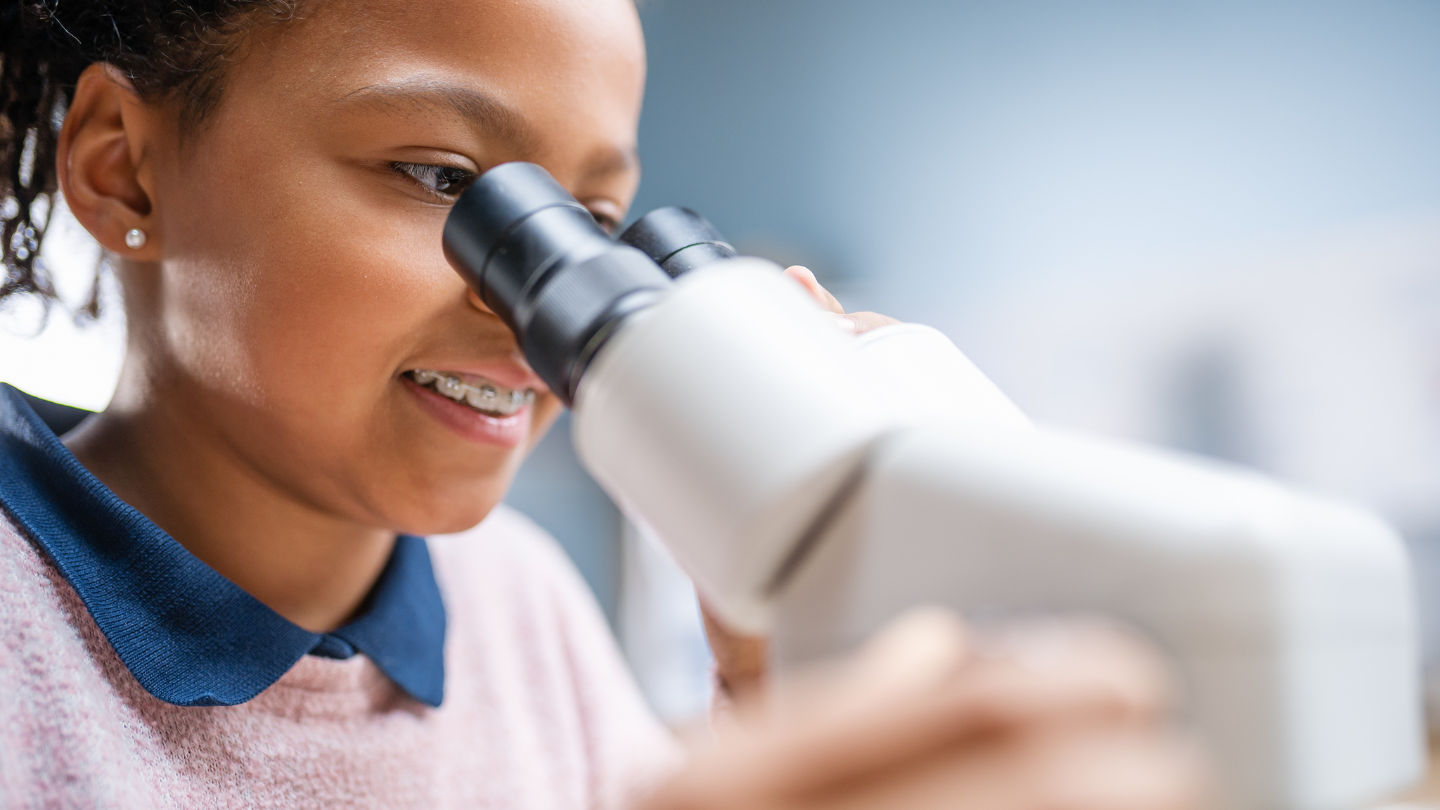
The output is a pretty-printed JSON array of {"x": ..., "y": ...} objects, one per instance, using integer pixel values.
[
  {"x": 421, "y": 96},
  {"x": 615, "y": 161},
  {"x": 487, "y": 113}
]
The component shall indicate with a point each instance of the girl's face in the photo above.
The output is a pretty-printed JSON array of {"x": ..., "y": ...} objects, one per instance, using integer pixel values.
[{"x": 303, "y": 279}]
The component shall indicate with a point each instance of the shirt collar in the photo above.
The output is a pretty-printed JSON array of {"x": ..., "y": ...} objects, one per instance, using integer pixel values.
[{"x": 190, "y": 636}]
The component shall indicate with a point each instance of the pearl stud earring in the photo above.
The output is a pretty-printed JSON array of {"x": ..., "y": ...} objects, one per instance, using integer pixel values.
[{"x": 135, "y": 239}]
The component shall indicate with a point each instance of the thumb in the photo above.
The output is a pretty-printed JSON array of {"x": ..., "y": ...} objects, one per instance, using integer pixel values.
[{"x": 822, "y": 296}]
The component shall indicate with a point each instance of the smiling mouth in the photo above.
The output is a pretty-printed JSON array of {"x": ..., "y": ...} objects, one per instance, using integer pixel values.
[{"x": 477, "y": 393}]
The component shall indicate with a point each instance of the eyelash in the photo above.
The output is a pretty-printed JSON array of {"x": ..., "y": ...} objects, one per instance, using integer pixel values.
[
  {"x": 448, "y": 182},
  {"x": 606, "y": 222},
  {"x": 445, "y": 182}
]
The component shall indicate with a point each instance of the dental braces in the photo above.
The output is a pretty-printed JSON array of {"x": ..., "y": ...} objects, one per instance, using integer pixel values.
[{"x": 485, "y": 396}]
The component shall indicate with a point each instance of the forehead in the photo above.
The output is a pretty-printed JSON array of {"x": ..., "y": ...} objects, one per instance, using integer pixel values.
[{"x": 544, "y": 71}]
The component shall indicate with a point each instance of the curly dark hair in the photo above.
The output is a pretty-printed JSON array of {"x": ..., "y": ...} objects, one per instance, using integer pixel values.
[{"x": 171, "y": 50}]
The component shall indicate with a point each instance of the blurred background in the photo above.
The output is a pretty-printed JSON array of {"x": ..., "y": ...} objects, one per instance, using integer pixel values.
[{"x": 1213, "y": 226}]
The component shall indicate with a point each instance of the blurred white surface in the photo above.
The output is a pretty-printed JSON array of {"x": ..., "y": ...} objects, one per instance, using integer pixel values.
[{"x": 77, "y": 364}]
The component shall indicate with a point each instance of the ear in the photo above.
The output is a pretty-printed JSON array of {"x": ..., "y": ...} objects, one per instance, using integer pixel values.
[{"x": 102, "y": 166}]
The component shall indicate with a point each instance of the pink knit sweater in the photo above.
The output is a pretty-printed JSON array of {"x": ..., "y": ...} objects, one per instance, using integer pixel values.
[{"x": 539, "y": 709}]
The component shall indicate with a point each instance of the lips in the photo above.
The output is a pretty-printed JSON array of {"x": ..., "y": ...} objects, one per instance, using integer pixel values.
[{"x": 476, "y": 408}]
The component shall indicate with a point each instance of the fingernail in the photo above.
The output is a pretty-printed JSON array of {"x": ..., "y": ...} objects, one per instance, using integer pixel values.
[{"x": 845, "y": 324}]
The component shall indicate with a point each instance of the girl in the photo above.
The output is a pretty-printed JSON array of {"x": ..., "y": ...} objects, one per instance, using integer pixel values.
[{"x": 215, "y": 593}]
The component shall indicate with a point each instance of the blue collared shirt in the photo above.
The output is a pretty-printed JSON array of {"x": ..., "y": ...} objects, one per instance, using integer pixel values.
[{"x": 190, "y": 636}]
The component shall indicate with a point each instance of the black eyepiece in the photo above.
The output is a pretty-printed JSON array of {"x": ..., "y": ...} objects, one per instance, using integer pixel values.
[
  {"x": 541, "y": 262},
  {"x": 678, "y": 239}
]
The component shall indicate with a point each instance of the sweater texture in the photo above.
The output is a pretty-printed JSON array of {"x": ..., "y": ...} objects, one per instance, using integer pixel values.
[{"x": 539, "y": 709}]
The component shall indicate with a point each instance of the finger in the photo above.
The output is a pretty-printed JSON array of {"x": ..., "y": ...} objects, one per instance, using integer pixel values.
[
  {"x": 741, "y": 661},
  {"x": 1081, "y": 771},
  {"x": 1127, "y": 678},
  {"x": 812, "y": 285},
  {"x": 1012, "y": 674},
  {"x": 916, "y": 653},
  {"x": 861, "y": 322},
  {"x": 1096, "y": 677}
]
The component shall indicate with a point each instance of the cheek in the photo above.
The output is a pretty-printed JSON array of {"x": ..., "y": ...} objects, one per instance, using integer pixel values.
[
  {"x": 291, "y": 321},
  {"x": 301, "y": 285}
]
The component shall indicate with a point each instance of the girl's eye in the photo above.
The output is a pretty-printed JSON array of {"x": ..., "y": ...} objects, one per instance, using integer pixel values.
[
  {"x": 447, "y": 181},
  {"x": 606, "y": 221}
]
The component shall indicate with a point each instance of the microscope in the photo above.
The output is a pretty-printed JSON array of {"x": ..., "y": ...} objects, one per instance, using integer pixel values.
[{"x": 815, "y": 485}]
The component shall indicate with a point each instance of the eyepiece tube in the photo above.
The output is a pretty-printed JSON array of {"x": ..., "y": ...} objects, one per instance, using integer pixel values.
[
  {"x": 678, "y": 239},
  {"x": 539, "y": 260}
]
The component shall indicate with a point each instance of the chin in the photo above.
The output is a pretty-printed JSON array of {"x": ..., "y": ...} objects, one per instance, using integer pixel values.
[
  {"x": 447, "y": 492},
  {"x": 458, "y": 524},
  {"x": 430, "y": 515}
]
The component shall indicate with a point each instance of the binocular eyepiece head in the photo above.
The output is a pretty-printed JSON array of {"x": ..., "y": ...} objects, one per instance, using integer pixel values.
[
  {"x": 678, "y": 239},
  {"x": 539, "y": 260}
]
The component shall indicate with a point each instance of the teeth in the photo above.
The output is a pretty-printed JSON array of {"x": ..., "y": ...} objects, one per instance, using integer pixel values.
[{"x": 486, "y": 397}]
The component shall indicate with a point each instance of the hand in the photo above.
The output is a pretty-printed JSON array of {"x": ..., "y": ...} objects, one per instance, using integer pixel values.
[
  {"x": 1060, "y": 714},
  {"x": 857, "y": 322},
  {"x": 740, "y": 660}
]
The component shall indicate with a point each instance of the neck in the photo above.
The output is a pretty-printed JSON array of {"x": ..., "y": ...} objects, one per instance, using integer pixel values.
[{"x": 313, "y": 568}]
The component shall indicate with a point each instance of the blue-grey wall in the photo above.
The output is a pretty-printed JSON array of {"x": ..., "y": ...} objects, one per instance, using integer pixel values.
[{"x": 935, "y": 146}]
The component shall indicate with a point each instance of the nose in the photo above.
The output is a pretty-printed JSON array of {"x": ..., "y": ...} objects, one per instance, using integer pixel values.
[{"x": 474, "y": 299}]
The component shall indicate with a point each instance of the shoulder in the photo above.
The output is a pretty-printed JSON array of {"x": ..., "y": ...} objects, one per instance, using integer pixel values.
[
  {"x": 66, "y": 696},
  {"x": 45, "y": 628},
  {"x": 32, "y": 591}
]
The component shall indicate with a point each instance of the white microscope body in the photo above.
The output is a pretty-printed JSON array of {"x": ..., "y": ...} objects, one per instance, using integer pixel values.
[{"x": 815, "y": 488}]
